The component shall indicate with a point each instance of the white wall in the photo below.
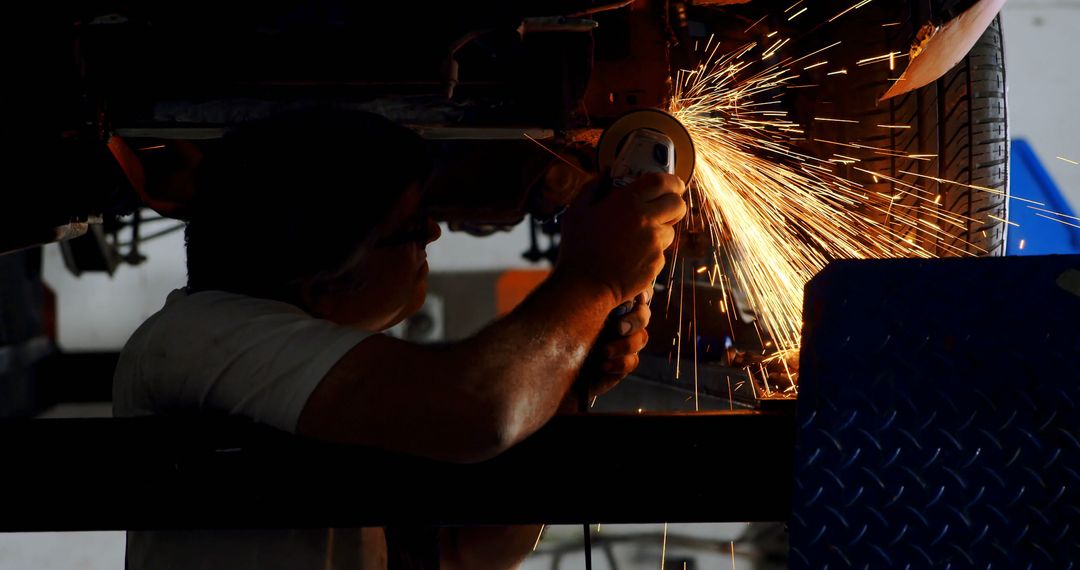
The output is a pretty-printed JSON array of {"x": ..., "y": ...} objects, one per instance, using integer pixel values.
[
  {"x": 96, "y": 312},
  {"x": 1042, "y": 44},
  {"x": 62, "y": 551},
  {"x": 457, "y": 251}
]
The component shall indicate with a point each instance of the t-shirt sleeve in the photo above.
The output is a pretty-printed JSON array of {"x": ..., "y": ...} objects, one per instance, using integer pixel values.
[
  {"x": 228, "y": 354},
  {"x": 277, "y": 363}
]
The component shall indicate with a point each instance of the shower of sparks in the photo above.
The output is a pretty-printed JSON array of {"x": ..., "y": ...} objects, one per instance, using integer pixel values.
[
  {"x": 555, "y": 154},
  {"x": 890, "y": 57},
  {"x": 752, "y": 26},
  {"x": 855, "y": 7},
  {"x": 1062, "y": 222},
  {"x": 1002, "y": 220},
  {"x": 777, "y": 215},
  {"x": 1053, "y": 213},
  {"x": 663, "y": 548},
  {"x": 539, "y": 535}
]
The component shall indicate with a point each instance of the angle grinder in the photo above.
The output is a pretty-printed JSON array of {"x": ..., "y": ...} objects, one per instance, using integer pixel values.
[{"x": 642, "y": 141}]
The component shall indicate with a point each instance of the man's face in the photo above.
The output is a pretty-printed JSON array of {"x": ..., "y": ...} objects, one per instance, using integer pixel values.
[{"x": 391, "y": 280}]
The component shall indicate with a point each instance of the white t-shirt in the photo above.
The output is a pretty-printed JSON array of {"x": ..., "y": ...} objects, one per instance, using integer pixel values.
[{"x": 214, "y": 352}]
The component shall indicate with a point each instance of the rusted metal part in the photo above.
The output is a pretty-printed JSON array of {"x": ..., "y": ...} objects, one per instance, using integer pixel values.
[
  {"x": 937, "y": 50},
  {"x": 632, "y": 69}
]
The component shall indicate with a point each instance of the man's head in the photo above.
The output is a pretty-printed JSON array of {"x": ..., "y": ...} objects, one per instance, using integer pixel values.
[{"x": 322, "y": 209}]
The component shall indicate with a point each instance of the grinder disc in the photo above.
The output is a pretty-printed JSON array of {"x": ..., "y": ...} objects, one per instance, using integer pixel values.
[{"x": 655, "y": 120}]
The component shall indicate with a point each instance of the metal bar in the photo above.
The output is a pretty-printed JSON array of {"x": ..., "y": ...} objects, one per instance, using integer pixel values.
[
  {"x": 171, "y": 473},
  {"x": 430, "y": 132}
]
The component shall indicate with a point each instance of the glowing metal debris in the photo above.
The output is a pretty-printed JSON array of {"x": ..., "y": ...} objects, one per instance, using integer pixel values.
[
  {"x": 855, "y": 7},
  {"x": 775, "y": 214}
]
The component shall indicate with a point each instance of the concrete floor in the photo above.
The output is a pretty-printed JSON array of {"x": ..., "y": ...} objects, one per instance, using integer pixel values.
[{"x": 646, "y": 553}]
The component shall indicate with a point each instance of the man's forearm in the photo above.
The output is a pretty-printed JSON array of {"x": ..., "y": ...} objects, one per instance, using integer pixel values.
[
  {"x": 466, "y": 401},
  {"x": 531, "y": 357}
]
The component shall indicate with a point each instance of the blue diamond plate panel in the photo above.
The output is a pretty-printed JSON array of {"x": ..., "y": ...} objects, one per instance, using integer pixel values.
[{"x": 938, "y": 416}]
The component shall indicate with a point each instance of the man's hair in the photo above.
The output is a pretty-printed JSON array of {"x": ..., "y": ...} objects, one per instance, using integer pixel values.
[{"x": 293, "y": 196}]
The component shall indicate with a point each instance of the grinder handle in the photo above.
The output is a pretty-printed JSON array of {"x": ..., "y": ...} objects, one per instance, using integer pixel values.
[{"x": 643, "y": 151}]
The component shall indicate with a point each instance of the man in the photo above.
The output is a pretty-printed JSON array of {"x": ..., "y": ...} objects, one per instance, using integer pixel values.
[{"x": 307, "y": 238}]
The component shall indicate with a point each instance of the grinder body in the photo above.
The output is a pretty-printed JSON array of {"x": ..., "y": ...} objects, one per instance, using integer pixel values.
[
  {"x": 642, "y": 141},
  {"x": 644, "y": 150},
  {"x": 632, "y": 145}
]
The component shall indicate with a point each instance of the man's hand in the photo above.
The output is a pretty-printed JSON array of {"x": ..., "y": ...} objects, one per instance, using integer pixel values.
[
  {"x": 617, "y": 357},
  {"x": 619, "y": 240},
  {"x": 620, "y": 355}
]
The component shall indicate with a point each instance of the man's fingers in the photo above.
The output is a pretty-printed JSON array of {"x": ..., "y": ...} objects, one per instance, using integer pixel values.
[
  {"x": 605, "y": 384},
  {"x": 653, "y": 185},
  {"x": 665, "y": 235},
  {"x": 621, "y": 366},
  {"x": 626, "y": 345},
  {"x": 636, "y": 319},
  {"x": 667, "y": 209}
]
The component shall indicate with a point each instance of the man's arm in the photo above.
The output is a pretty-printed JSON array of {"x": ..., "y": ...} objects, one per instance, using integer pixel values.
[
  {"x": 471, "y": 400},
  {"x": 466, "y": 401}
]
